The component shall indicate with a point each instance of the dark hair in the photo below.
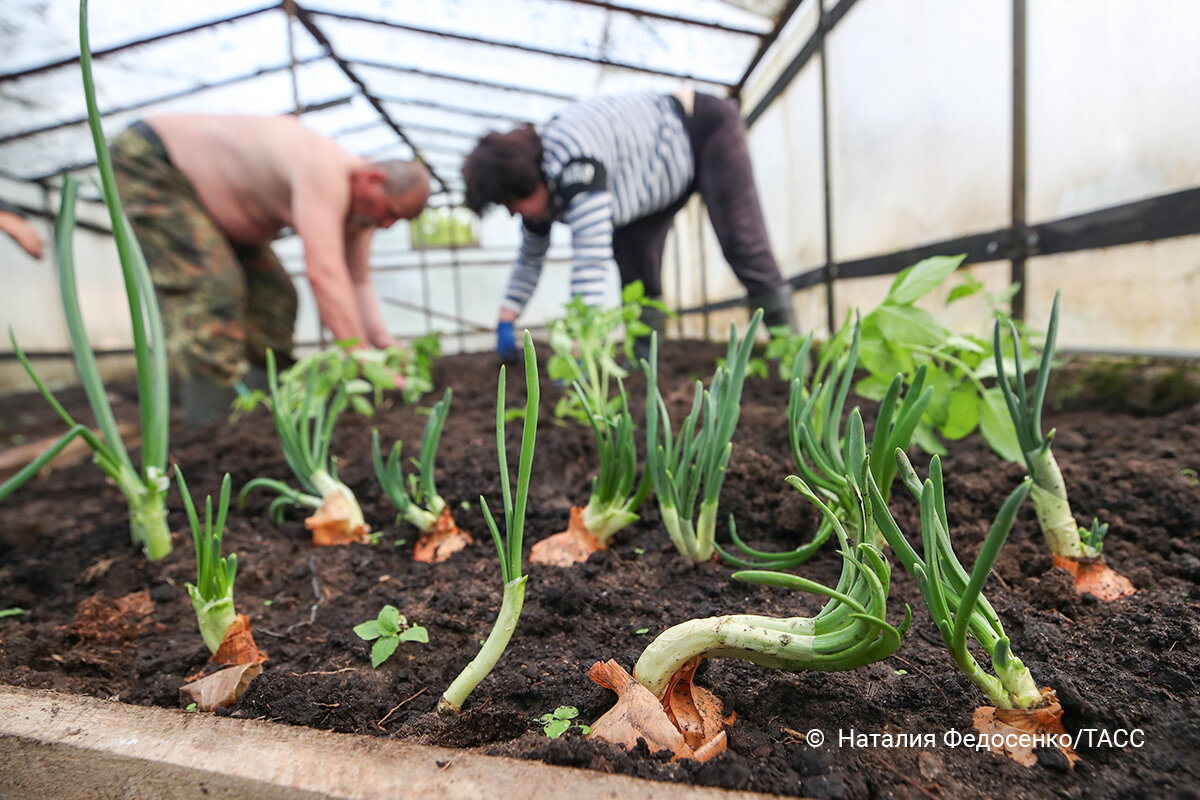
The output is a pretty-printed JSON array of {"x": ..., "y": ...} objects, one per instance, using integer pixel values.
[{"x": 503, "y": 167}]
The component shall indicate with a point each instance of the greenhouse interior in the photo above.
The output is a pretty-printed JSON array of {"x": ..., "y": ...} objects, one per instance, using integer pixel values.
[{"x": 863, "y": 374}]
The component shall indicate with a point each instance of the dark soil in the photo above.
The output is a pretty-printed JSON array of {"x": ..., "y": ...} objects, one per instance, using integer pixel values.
[{"x": 1131, "y": 664}]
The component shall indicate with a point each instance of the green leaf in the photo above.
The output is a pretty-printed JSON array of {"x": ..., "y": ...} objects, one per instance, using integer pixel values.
[
  {"x": 997, "y": 428},
  {"x": 368, "y": 630},
  {"x": 12, "y": 612},
  {"x": 632, "y": 292},
  {"x": 873, "y": 387},
  {"x": 361, "y": 405},
  {"x": 641, "y": 631},
  {"x": 383, "y": 649},
  {"x": 415, "y": 634},
  {"x": 970, "y": 286},
  {"x": 938, "y": 410},
  {"x": 585, "y": 729},
  {"x": 557, "y": 728},
  {"x": 389, "y": 620},
  {"x": 566, "y": 712},
  {"x": 962, "y": 413},
  {"x": 926, "y": 439},
  {"x": 905, "y": 325},
  {"x": 921, "y": 278}
]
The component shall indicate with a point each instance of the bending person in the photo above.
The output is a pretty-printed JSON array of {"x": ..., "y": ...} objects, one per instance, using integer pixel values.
[
  {"x": 206, "y": 196},
  {"x": 616, "y": 170}
]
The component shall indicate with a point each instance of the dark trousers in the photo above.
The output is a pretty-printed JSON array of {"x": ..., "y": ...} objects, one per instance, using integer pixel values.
[{"x": 724, "y": 178}]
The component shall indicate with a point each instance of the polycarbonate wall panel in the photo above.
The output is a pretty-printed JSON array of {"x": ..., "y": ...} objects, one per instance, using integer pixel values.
[
  {"x": 785, "y": 148},
  {"x": 919, "y": 104},
  {"x": 1114, "y": 103},
  {"x": 1138, "y": 296}
]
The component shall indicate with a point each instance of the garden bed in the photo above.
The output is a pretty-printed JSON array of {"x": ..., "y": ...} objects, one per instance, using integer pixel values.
[{"x": 1131, "y": 664}]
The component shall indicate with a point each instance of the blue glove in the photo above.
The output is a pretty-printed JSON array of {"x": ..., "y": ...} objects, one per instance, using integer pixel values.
[{"x": 506, "y": 343}]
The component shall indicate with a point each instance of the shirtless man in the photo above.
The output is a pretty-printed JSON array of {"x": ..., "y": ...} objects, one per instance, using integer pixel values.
[{"x": 206, "y": 196}]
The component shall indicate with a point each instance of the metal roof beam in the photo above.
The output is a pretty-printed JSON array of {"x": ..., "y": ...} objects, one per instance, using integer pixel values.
[
  {"x": 315, "y": 31},
  {"x": 459, "y": 37},
  {"x": 464, "y": 110},
  {"x": 647, "y": 14},
  {"x": 66, "y": 62},
  {"x": 504, "y": 87},
  {"x": 306, "y": 109},
  {"x": 12, "y": 137},
  {"x": 353, "y": 129},
  {"x": 766, "y": 43}
]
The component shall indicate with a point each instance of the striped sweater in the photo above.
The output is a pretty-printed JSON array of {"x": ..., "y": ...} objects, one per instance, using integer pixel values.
[{"x": 639, "y": 143}]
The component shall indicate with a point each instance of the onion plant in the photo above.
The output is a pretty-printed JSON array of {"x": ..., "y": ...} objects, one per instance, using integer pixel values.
[
  {"x": 144, "y": 488},
  {"x": 1076, "y": 548},
  {"x": 212, "y": 594},
  {"x": 614, "y": 501},
  {"x": 955, "y": 597},
  {"x": 820, "y": 447},
  {"x": 416, "y": 498},
  {"x": 509, "y": 545},
  {"x": 689, "y": 468},
  {"x": 305, "y": 432},
  {"x": 850, "y": 630}
]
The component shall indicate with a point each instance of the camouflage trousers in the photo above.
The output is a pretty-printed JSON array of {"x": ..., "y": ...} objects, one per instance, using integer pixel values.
[{"x": 222, "y": 304}]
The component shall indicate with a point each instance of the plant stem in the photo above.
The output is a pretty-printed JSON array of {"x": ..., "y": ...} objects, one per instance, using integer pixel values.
[{"x": 493, "y": 647}]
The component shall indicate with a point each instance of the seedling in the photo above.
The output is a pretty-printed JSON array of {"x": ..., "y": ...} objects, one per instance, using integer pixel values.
[
  {"x": 508, "y": 546},
  {"x": 689, "y": 468},
  {"x": 145, "y": 489},
  {"x": 1074, "y": 548},
  {"x": 820, "y": 446},
  {"x": 958, "y": 607},
  {"x": 225, "y": 632},
  {"x": 388, "y": 630},
  {"x": 562, "y": 720},
  {"x": 304, "y": 434},
  {"x": 417, "y": 498},
  {"x": 12, "y": 612}
]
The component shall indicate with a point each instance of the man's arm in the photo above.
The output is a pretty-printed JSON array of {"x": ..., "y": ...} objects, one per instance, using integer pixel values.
[
  {"x": 358, "y": 250},
  {"x": 319, "y": 216}
]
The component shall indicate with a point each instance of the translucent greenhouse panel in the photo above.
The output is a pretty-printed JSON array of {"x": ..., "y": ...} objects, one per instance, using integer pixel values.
[
  {"x": 791, "y": 39},
  {"x": 785, "y": 150},
  {"x": 919, "y": 123},
  {"x": 34, "y": 32},
  {"x": 1140, "y": 296},
  {"x": 1114, "y": 114}
]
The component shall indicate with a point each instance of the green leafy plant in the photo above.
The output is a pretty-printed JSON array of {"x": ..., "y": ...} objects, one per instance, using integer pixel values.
[
  {"x": 850, "y": 630},
  {"x": 305, "y": 432},
  {"x": 364, "y": 374},
  {"x": 212, "y": 594},
  {"x": 820, "y": 448},
  {"x": 689, "y": 468},
  {"x": 584, "y": 352},
  {"x": 416, "y": 498},
  {"x": 955, "y": 597},
  {"x": 144, "y": 488},
  {"x": 898, "y": 337},
  {"x": 562, "y": 720},
  {"x": 509, "y": 546},
  {"x": 614, "y": 501},
  {"x": 388, "y": 630},
  {"x": 1080, "y": 548}
]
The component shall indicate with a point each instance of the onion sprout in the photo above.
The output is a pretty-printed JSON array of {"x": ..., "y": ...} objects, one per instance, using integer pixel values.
[
  {"x": 417, "y": 499},
  {"x": 691, "y": 467},
  {"x": 850, "y": 631},
  {"x": 144, "y": 490},
  {"x": 1066, "y": 538},
  {"x": 614, "y": 503},
  {"x": 212, "y": 594},
  {"x": 509, "y": 546},
  {"x": 305, "y": 432},
  {"x": 955, "y": 597}
]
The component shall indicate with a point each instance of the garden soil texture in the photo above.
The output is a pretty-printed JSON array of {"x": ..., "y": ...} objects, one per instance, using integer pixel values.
[{"x": 1129, "y": 665}]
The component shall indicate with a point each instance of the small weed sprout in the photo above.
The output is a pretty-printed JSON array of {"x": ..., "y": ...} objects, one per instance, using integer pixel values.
[{"x": 388, "y": 630}]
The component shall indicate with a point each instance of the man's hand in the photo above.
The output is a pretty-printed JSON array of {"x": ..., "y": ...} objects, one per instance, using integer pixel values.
[{"x": 506, "y": 343}]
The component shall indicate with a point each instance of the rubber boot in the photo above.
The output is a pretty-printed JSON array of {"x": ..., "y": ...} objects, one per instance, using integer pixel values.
[
  {"x": 656, "y": 318},
  {"x": 777, "y": 308},
  {"x": 204, "y": 401}
]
